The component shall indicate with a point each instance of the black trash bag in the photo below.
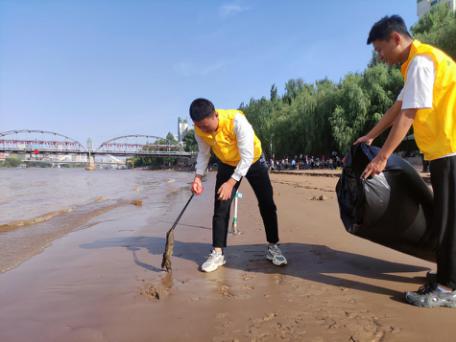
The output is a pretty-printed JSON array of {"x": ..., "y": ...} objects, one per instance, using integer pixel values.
[{"x": 393, "y": 208}]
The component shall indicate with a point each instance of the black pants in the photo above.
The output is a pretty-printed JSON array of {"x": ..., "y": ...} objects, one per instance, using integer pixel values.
[
  {"x": 443, "y": 179},
  {"x": 258, "y": 178}
]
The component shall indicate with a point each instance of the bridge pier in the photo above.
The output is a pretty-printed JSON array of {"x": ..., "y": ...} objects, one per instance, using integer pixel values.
[
  {"x": 90, "y": 158},
  {"x": 90, "y": 162}
]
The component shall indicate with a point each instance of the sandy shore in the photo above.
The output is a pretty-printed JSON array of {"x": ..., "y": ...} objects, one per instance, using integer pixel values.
[{"x": 104, "y": 283}]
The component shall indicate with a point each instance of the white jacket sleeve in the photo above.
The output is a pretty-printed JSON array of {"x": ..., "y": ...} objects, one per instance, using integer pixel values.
[
  {"x": 204, "y": 154},
  {"x": 245, "y": 142}
]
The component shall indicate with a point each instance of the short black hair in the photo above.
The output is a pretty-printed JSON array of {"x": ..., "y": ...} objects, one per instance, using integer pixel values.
[
  {"x": 383, "y": 28},
  {"x": 201, "y": 109}
]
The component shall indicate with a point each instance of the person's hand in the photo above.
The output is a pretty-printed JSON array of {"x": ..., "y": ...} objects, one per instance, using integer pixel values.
[
  {"x": 197, "y": 186},
  {"x": 226, "y": 189},
  {"x": 376, "y": 166},
  {"x": 364, "y": 139}
]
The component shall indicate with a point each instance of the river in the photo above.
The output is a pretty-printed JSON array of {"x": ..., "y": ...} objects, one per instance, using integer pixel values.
[{"x": 38, "y": 206}]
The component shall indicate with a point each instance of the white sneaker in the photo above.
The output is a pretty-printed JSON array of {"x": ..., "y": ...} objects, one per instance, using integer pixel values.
[
  {"x": 275, "y": 255},
  {"x": 214, "y": 261}
]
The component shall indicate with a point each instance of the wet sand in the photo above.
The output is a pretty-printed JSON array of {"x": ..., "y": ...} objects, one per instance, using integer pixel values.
[
  {"x": 104, "y": 283},
  {"x": 22, "y": 240}
]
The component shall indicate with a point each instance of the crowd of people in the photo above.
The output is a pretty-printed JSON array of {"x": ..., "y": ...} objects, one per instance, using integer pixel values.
[{"x": 306, "y": 162}]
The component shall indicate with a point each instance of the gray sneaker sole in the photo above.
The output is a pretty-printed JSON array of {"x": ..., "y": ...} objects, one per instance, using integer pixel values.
[
  {"x": 441, "y": 303},
  {"x": 214, "y": 268},
  {"x": 279, "y": 263}
]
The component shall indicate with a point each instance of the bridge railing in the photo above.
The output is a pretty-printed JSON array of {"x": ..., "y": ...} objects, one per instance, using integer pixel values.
[
  {"x": 28, "y": 149},
  {"x": 145, "y": 153},
  {"x": 157, "y": 147},
  {"x": 138, "y": 147},
  {"x": 41, "y": 145}
]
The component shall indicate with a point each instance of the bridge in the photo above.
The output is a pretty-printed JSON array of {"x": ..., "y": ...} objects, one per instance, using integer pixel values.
[{"x": 41, "y": 146}]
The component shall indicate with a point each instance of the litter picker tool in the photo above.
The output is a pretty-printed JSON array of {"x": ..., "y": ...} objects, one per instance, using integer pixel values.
[{"x": 166, "y": 261}]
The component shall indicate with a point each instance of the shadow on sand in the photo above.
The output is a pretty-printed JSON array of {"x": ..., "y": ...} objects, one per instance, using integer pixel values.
[{"x": 317, "y": 263}]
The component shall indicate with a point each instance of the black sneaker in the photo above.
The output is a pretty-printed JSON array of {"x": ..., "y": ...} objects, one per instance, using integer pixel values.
[{"x": 431, "y": 298}]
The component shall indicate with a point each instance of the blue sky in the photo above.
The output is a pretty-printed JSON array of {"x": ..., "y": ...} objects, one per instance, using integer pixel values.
[{"x": 104, "y": 68}]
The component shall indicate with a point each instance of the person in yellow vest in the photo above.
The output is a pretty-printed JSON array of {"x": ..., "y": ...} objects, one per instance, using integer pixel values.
[
  {"x": 238, "y": 151},
  {"x": 428, "y": 102}
]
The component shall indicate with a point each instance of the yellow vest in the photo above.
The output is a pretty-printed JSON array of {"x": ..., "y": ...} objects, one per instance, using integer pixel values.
[
  {"x": 224, "y": 142},
  {"x": 435, "y": 128}
]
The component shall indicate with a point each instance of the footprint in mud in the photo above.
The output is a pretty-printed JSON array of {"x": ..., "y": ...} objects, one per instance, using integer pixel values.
[
  {"x": 224, "y": 290},
  {"x": 266, "y": 318},
  {"x": 269, "y": 316},
  {"x": 287, "y": 328},
  {"x": 246, "y": 276},
  {"x": 361, "y": 325},
  {"x": 247, "y": 287},
  {"x": 152, "y": 292},
  {"x": 156, "y": 292},
  {"x": 263, "y": 328},
  {"x": 223, "y": 321}
]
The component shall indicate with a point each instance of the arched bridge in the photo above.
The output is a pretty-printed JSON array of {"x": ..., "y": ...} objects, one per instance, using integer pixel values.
[
  {"x": 30, "y": 141},
  {"x": 153, "y": 146},
  {"x": 48, "y": 142}
]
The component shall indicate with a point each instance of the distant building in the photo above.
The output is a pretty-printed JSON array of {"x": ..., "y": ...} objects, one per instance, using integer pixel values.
[
  {"x": 182, "y": 129},
  {"x": 424, "y": 6}
]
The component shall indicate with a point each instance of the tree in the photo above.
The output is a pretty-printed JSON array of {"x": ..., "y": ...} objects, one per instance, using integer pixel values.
[
  {"x": 190, "y": 144},
  {"x": 292, "y": 88},
  {"x": 274, "y": 93},
  {"x": 156, "y": 162},
  {"x": 382, "y": 84},
  {"x": 11, "y": 161},
  {"x": 260, "y": 115},
  {"x": 438, "y": 28},
  {"x": 350, "y": 115},
  {"x": 171, "y": 139}
]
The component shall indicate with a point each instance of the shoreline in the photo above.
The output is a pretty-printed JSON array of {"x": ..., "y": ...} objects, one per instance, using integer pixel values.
[{"x": 334, "y": 173}]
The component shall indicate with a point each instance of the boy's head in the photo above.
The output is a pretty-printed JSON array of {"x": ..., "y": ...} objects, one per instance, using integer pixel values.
[
  {"x": 204, "y": 116},
  {"x": 391, "y": 39}
]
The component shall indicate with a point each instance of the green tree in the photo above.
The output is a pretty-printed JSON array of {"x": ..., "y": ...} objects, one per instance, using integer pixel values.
[
  {"x": 274, "y": 93},
  {"x": 11, "y": 162},
  {"x": 438, "y": 28},
  {"x": 169, "y": 143},
  {"x": 190, "y": 144},
  {"x": 382, "y": 85},
  {"x": 292, "y": 89},
  {"x": 260, "y": 115},
  {"x": 350, "y": 115}
]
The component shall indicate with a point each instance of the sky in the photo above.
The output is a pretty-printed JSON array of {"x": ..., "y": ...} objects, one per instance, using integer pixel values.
[{"x": 106, "y": 68}]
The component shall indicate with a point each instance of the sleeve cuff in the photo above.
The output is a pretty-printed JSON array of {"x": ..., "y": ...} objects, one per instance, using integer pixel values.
[
  {"x": 236, "y": 176},
  {"x": 200, "y": 172}
]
